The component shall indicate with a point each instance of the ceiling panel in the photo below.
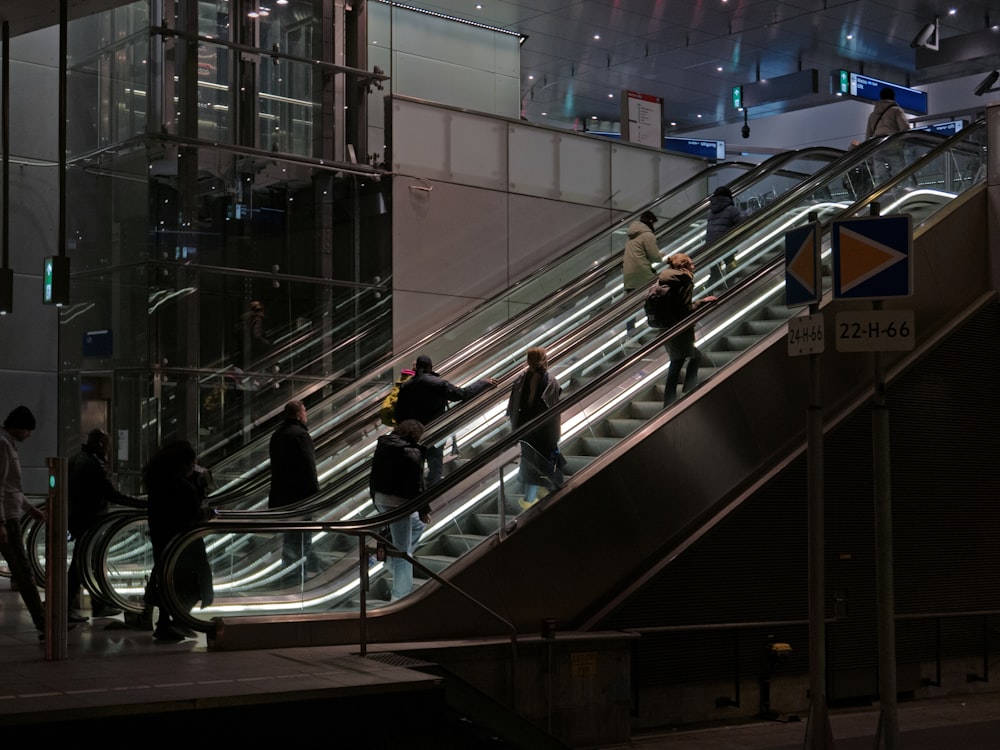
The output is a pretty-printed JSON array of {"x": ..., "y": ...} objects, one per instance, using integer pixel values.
[{"x": 674, "y": 48}]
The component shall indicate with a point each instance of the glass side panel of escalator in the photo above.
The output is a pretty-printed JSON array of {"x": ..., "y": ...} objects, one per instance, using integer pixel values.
[{"x": 622, "y": 397}]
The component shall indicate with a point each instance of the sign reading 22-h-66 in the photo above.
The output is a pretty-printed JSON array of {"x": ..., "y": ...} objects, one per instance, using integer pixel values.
[{"x": 871, "y": 260}]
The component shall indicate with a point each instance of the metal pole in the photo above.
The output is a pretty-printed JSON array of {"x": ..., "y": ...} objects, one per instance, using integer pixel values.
[
  {"x": 56, "y": 598},
  {"x": 884, "y": 586},
  {"x": 819, "y": 735},
  {"x": 883, "y": 554}
]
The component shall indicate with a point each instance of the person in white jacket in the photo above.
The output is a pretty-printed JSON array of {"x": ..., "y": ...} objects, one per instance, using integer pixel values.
[{"x": 887, "y": 118}]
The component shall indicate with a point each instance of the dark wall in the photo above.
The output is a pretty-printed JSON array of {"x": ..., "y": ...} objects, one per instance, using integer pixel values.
[{"x": 752, "y": 567}]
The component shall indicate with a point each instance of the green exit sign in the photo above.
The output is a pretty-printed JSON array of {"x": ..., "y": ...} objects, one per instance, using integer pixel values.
[{"x": 738, "y": 97}]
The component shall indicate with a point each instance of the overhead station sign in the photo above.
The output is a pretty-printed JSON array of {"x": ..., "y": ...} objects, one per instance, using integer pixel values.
[
  {"x": 866, "y": 87},
  {"x": 642, "y": 119}
]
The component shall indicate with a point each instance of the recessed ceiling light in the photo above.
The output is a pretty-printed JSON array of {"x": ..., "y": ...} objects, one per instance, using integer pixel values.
[
  {"x": 597, "y": 36},
  {"x": 593, "y": 117},
  {"x": 674, "y": 124},
  {"x": 545, "y": 114},
  {"x": 850, "y": 37},
  {"x": 719, "y": 68},
  {"x": 699, "y": 117},
  {"x": 531, "y": 78},
  {"x": 611, "y": 96}
]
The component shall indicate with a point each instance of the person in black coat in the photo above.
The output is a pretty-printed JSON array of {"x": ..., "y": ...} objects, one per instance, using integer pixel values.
[
  {"x": 534, "y": 392},
  {"x": 396, "y": 478},
  {"x": 293, "y": 474},
  {"x": 723, "y": 215},
  {"x": 90, "y": 495},
  {"x": 425, "y": 397},
  {"x": 176, "y": 503}
]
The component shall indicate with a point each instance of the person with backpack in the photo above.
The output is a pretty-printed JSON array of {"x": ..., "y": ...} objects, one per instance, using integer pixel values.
[
  {"x": 387, "y": 412},
  {"x": 397, "y": 476},
  {"x": 670, "y": 301}
]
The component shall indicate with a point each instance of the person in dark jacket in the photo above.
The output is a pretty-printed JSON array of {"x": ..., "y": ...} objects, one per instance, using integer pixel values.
[
  {"x": 90, "y": 494},
  {"x": 425, "y": 397},
  {"x": 397, "y": 477},
  {"x": 678, "y": 278},
  {"x": 293, "y": 474},
  {"x": 534, "y": 392},
  {"x": 723, "y": 215},
  {"x": 17, "y": 428},
  {"x": 176, "y": 503}
]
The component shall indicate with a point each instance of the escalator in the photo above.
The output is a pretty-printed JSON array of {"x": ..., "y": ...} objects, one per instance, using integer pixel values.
[
  {"x": 511, "y": 564},
  {"x": 584, "y": 278},
  {"x": 559, "y": 296}
]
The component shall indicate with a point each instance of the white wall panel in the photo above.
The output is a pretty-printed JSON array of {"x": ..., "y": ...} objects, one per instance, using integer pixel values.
[
  {"x": 534, "y": 161},
  {"x": 443, "y": 82},
  {"x": 538, "y": 231},
  {"x": 445, "y": 144},
  {"x": 585, "y": 170},
  {"x": 478, "y": 150},
  {"x": 450, "y": 240}
]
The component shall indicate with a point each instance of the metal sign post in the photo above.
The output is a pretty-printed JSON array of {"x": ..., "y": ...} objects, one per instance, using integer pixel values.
[
  {"x": 872, "y": 261},
  {"x": 56, "y": 597},
  {"x": 806, "y": 336}
]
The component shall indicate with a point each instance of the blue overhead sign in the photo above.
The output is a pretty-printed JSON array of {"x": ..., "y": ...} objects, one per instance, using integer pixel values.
[
  {"x": 866, "y": 87},
  {"x": 703, "y": 147},
  {"x": 871, "y": 257},
  {"x": 802, "y": 276}
]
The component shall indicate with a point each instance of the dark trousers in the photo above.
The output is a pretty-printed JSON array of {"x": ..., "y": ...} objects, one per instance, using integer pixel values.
[
  {"x": 435, "y": 463},
  {"x": 682, "y": 349},
  {"x": 20, "y": 570}
]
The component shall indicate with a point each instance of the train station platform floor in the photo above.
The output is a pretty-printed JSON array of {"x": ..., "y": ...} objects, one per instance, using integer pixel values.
[{"x": 122, "y": 678}]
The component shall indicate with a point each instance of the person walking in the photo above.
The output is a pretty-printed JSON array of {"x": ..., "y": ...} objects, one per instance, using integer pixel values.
[
  {"x": 176, "y": 503},
  {"x": 17, "y": 428},
  {"x": 90, "y": 493}
]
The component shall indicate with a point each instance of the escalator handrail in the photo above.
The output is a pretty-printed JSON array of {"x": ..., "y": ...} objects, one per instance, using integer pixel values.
[{"x": 508, "y": 442}]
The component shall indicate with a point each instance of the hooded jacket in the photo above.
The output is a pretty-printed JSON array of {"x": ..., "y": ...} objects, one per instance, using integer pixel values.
[
  {"x": 722, "y": 216},
  {"x": 641, "y": 252},
  {"x": 886, "y": 118},
  {"x": 397, "y": 467}
]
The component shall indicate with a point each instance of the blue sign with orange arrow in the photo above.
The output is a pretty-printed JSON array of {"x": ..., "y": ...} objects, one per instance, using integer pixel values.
[
  {"x": 871, "y": 257},
  {"x": 802, "y": 277}
]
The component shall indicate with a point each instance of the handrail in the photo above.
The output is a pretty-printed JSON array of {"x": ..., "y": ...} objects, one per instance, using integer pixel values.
[{"x": 615, "y": 371}]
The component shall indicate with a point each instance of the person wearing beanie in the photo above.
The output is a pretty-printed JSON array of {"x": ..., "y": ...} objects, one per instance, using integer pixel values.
[
  {"x": 425, "y": 397},
  {"x": 723, "y": 215},
  {"x": 17, "y": 428}
]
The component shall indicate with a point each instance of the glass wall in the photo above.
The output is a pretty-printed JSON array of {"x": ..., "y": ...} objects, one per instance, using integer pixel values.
[{"x": 222, "y": 262}]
